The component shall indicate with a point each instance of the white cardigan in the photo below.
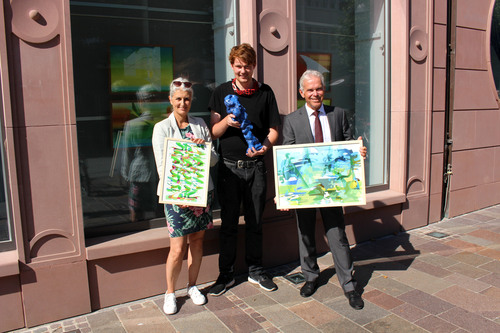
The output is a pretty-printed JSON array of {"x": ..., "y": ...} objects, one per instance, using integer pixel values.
[{"x": 168, "y": 128}]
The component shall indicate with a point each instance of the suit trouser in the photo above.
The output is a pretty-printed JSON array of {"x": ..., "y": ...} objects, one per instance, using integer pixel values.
[
  {"x": 333, "y": 223},
  {"x": 234, "y": 186}
]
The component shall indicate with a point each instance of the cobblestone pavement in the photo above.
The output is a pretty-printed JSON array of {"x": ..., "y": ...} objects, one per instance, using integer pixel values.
[{"x": 444, "y": 277}]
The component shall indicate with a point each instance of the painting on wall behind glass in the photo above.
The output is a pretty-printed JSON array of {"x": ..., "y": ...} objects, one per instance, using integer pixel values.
[{"x": 132, "y": 67}]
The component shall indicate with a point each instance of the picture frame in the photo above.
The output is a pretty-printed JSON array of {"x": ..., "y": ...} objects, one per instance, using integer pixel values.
[
  {"x": 322, "y": 62},
  {"x": 319, "y": 175},
  {"x": 134, "y": 66},
  {"x": 185, "y": 173}
]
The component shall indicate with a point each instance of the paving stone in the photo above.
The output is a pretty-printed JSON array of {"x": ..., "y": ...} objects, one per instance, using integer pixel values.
[
  {"x": 430, "y": 269},
  {"x": 243, "y": 290},
  {"x": 467, "y": 282},
  {"x": 464, "y": 245},
  {"x": 202, "y": 322},
  {"x": 259, "y": 302},
  {"x": 476, "y": 240},
  {"x": 470, "y": 321},
  {"x": 486, "y": 234},
  {"x": 106, "y": 322},
  {"x": 437, "y": 260},
  {"x": 436, "y": 325},
  {"x": 392, "y": 323},
  {"x": 148, "y": 318},
  {"x": 491, "y": 253},
  {"x": 300, "y": 326},
  {"x": 326, "y": 292},
  {"x": 468, "y": 300},
  {"x": 493, "y": 279},
  {"x": 369, "y": 313},
  {"x": 315, "y": 313},
  {"x": 409, "y": 312},
  {"x": 342, "y": 325},
  {"x": 236, "y": 320},
  {"x": 437, "y": 247},
  {"x": 381, "y": 299},
  {"x": 471, "y": 258},
  {"x": 420, "y": 280},
  {"x": 389, "y": 286},
  {"x": 286, "y": 295},
  {"x": 279, "y": 316},
  {"x": 468, "y": 270},
  {"x": 426, "y": 302},
  {"x": 492, "y": 266}
]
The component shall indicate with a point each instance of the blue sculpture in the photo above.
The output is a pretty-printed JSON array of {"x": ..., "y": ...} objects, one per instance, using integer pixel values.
[{"x": 233, "y": 106}]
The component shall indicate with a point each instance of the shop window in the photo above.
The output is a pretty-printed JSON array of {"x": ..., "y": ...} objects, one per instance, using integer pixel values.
[
  {"x": 6, "y": 232},
  {"x": 495, "y": 45},
  {"x": 347, "y": 43},
  {"x": 125, "y": 54}
]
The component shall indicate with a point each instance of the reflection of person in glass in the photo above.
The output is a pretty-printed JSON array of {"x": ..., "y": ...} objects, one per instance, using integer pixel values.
[
  {"x": 185, "y": 224},
  {"x": 138, "y": 160}
]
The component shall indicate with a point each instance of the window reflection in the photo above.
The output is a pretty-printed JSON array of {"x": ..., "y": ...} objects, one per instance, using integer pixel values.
[
  {"x": 124, "y": 56},
  {"x": 345, "y": 40}
]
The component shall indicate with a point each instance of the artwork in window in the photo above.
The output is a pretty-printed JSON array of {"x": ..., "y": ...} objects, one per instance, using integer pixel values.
[
  {"x": 132, "y": 67},
  {"x": 319, "y": 175}
]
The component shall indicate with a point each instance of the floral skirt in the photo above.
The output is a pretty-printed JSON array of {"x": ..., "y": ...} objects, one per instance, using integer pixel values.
[{"x": 185, "y": 221}]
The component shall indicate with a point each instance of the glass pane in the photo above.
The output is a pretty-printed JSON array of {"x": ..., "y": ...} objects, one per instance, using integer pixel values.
[
  {"x": 345, "y": 40},
  {"x": 125, "y": 54},
  {"x": 495, "y": 45},
  {"x": 6, "y": 236}
]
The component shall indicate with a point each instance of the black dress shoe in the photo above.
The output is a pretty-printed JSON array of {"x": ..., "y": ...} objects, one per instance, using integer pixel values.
[
  {"x": 308, "y": 288},
  {"x": 355, "y": 300}
]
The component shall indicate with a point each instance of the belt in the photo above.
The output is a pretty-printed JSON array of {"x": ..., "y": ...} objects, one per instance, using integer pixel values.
[{"x": 241, "y": 164}]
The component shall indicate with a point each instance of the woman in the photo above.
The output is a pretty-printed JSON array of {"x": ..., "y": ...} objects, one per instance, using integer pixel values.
[{"x": 186, "y": 224}]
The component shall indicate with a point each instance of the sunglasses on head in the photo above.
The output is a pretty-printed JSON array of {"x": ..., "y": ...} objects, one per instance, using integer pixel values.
[{"x": 179, "y": 83}]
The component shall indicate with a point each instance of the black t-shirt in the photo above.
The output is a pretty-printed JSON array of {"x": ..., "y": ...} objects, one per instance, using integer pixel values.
[{"x": 262, "y": 111}]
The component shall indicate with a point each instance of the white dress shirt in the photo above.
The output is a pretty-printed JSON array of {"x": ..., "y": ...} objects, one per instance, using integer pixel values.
[{"x": 325, "y": 126}]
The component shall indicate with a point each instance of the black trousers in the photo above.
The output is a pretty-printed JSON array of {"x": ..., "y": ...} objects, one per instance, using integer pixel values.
[{"x": 234, "y": 187}]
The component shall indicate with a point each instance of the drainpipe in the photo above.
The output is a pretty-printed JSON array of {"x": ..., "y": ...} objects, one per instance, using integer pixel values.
[{"x": 451, "y": 25}]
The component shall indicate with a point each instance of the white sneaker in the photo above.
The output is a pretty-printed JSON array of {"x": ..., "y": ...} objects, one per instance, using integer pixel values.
[
  {"x": 170, "y": 304},
  {"x": 196, "y": 295}
]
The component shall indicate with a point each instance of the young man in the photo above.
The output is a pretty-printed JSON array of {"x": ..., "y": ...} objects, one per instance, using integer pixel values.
[
  {"x": 316, "y": 122},
  {"x": 242, "y": 173}
]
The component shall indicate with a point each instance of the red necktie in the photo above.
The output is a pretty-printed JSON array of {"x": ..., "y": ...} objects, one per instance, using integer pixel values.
[{"x": 318, "y": 132}]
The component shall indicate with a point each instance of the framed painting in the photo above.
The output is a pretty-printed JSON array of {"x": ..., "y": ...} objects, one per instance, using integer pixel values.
[
  {"x": 185, "y": 173},
  {"x": 134, "y": 66},
  {"x": 319, "y": 175},
  {"x": 321, "y": 62}
]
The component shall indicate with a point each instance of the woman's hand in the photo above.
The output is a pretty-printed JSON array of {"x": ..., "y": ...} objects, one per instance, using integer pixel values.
[{"x": 198, "y": 141}]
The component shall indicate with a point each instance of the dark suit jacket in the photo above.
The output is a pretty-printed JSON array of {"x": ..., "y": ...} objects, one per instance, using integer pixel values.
[{"x": 297, "y": 129}]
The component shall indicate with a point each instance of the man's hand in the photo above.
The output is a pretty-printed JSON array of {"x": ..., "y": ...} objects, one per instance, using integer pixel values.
[
  {"x": 252, "y": 152},
  {"x": 281, "y": 209},
  {"x": 231, "y": 122},
  {"x": 362, "y": 149}
]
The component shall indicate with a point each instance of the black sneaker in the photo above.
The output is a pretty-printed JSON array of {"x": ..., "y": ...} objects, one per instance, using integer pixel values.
[
  {"x": 220, "y": 286},
  {"x": 264, "y": 281}
]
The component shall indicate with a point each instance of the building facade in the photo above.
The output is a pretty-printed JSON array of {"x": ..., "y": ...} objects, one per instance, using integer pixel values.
[{"x": 82, "y": 83}]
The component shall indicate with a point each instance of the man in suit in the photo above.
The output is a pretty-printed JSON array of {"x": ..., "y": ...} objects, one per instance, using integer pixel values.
[{"x": 326, "y": 124}]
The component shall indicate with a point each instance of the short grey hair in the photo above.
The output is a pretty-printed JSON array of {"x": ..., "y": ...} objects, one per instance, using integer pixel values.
[
  {"x": 308, "y": 74},
  {"x": 173, "y": 88}
]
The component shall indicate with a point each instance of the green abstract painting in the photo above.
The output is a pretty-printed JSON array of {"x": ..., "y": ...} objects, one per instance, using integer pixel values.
[
  {"x": 319, "y": 175},
  {"x": 132, "y": 67}
]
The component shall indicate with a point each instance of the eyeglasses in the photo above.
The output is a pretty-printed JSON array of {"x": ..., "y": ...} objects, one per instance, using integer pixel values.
[{"x": 180, "y": 83}]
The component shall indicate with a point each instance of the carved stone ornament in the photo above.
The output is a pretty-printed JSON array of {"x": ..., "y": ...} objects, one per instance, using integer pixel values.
[
  {"x": 35, "y": 21},
  {"x": 274, "y": 31},
  {"x": 418, "y": 44}
]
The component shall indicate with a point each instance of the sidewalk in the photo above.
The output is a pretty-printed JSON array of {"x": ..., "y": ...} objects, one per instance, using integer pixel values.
[{"x": 412, "y": 282}]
